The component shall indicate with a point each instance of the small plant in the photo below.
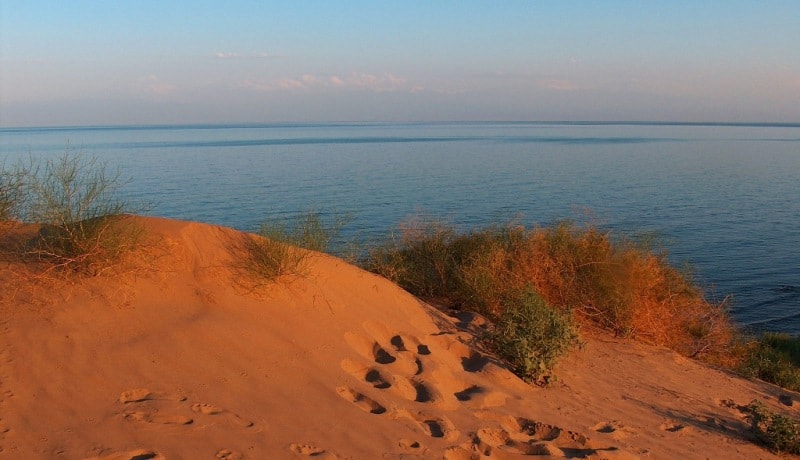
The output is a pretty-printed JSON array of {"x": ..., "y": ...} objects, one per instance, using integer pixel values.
[
  {"x": 530, "y": 336},
  {"x": 281, "y": 246},
  {"x": 774, "y": 358},
  {"x": 779, "y": 432},
  {"x": 85, "y": 228}
]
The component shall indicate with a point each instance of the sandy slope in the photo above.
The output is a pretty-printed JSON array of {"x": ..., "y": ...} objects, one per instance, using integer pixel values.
[{"x": 182, "y": 360}]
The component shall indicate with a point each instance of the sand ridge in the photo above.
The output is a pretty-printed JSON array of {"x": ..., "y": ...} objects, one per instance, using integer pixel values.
[{"x": 180, "y": 362}]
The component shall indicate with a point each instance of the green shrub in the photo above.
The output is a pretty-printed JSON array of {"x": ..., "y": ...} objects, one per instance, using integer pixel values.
[
  {"x": 282, "y": 245},
  {"x": 421, "y": 261},
  {"x": 530, "y": 336},
  {"x": 774, "y": 358},
  {"x": 85, "y": 228},
  {"x": 779, "y": 432}
]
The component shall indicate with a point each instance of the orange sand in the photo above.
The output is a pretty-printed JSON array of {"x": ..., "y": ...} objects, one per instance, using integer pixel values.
[{"x": 183, "y": 361}]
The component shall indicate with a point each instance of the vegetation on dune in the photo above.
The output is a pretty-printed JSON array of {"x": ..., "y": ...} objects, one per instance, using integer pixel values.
[
  {"x": 774, "y": 358},
  {"x": 85, "y": 227},
  {"x": 11, "y": 193},
  {"x": 778, "y": 432},
  {"x": 282, "y": 245},
  {"x": 581, "y": 272},
  {"x": 531, "y": 335}
]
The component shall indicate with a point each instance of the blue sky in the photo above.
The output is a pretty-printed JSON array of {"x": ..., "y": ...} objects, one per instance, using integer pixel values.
[{"x": 149, "y": 62}]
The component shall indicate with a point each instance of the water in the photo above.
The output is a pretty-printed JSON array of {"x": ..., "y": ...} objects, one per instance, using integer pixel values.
[{"x": 723, "y": 198}]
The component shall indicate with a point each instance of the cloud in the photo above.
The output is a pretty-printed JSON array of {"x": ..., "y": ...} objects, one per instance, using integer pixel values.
[{"x": 386, "y": 82}]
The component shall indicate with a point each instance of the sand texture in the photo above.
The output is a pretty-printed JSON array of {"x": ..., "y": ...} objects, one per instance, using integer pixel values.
[{"x": 183, "y": 358}]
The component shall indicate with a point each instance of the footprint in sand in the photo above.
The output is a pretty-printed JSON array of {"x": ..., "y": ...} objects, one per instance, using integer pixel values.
[
  {"x": 674, "y": 427},
  {"x": 208, "y": 409},
  {"x": 143, "y": 394},
  {"x": 521, "y": 436},
  {"x": 614, "y": 428},
  {"x": 385, "y": 348},
  {"x": 433, "y": 426},
  {"x": 310, "y": 450},
  {"x": 138, "y": 454},
  {"x": 361, "y": 401},
  {"x": 225, "y": 454},
  {"x": 367, "y": 374},
  {"x": 147, "y": 417},
  {"x": 416, "y": 390}
]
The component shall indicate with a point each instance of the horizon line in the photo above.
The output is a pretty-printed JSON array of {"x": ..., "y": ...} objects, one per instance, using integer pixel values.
[{"x": 212, "y": 125}]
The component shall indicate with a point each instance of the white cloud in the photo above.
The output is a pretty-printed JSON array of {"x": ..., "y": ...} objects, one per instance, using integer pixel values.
[{"x": 361, "y": 81}]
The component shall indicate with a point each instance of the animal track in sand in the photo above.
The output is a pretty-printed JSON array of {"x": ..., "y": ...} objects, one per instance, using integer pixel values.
[{"x": 361, "y": 401}]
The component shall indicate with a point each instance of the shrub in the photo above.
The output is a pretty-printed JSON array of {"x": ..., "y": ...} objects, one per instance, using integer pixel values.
[
  {"x": 530, "y": 335},
  {"x": 778, "y": 432},
  {"x": 85, "y": 228},
  {"x": 281, "y": 246},
  {"x": 774, "y": 358},
  {"x": 622, "y": 286},
  {"x": 421, "y": 261}
]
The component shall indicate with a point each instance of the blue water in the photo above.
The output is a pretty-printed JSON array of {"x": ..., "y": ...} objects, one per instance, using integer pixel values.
[{"x": 723, "y": 198}]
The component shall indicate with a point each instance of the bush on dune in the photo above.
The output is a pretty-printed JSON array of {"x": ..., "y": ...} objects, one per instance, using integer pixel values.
[
  {"x": 531, "y": 335},
  {"x": 85, "y": 228},
  {"x": 580, "y": 271}
]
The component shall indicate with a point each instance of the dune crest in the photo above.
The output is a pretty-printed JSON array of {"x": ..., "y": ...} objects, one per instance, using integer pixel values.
[{"x": 179, "y": 361}]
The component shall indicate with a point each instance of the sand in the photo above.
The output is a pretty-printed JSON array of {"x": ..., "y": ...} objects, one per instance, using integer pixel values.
[{"x": 182, "y": 358}]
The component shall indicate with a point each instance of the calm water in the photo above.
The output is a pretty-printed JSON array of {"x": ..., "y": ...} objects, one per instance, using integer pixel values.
[{"x": 723, "y": 198}]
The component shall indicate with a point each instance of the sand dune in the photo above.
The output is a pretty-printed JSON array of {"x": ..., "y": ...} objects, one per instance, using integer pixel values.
[{"x": 182, "y": 359}]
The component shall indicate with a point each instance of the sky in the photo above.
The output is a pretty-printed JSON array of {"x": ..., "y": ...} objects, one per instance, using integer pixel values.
[{"x": 78, "y": 62}]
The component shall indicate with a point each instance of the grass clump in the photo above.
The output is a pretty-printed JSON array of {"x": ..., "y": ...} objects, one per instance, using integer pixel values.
[
  {"x": 530, "y": 336},
  {"x": 85, "y": 227},
  {"x": 11, "y": 190},
  {"x": 774, "y": 358},
  {"x": 778, "y": 432},
  {"x": 282, "y": 245}
]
